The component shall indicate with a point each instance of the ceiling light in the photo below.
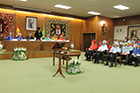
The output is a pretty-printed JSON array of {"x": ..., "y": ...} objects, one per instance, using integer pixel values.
[
  {"x": 23, "y": 0},
  {"x": 48, "y": 15},
  {"x": 22, "y": 11},
  {"x": 62, "y": 6},
  {"x": 94, "y": 13},
  {"x": 68, "y": 17},
  {"x": 121, "y": 7}
]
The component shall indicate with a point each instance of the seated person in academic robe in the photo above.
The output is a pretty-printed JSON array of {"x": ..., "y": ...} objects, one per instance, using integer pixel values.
[
  {"x": 121, "y": 44},
  {"x": 108, "y": 46},
  {"x": 10, "y": 37},
  {"x": 100, "y": 43},
  {"x": 126, "y": 52},
  {"x": 47, "y": 38},
  {"x": 112, "y": 56},
  {"x": 38, "y": 34},
  {"x": 135, "y": 55},
  {"x": 29, "y": 37},
  {"x": 91, "y": 49},
  {"x": 134, "y": 46},
  {"x": 54, "y": 37},
  {"x": 99, "y": 54},
  {"x": 61, "y": 37},
  {"x": 20, "y": 37}
]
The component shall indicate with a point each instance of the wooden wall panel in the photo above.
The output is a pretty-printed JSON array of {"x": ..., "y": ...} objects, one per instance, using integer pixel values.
[
  {"x": 127, "y": 20},
  {"x": 110, "y": 29},
  {"x": 92, "y": 25}
]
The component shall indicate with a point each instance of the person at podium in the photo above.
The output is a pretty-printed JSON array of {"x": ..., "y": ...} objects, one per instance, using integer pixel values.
[
  {"x": 29, "y": 36},
  {"x": 61, "y": 37},
  {"x": 20, "y": 37},
  {"x": 38, "y": 34},
  {"x": 54, "y": 37},
  {"x": 10, "y": 37}
]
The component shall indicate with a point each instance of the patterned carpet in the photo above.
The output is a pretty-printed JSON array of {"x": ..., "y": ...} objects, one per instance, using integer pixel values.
[{"x": 35, "y": 76}]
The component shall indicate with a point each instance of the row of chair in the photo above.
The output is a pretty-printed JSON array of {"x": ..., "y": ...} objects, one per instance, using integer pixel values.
[{"x": 118, "y": 57}]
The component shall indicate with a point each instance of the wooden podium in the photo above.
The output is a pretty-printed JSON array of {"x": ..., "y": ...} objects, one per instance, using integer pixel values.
[{"x": 65, "y": 55}]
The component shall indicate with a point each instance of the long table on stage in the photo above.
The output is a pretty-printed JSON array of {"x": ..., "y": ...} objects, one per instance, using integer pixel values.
[
  {"x": 33, "y": 46},
  {"x": 63, "y": 56}
]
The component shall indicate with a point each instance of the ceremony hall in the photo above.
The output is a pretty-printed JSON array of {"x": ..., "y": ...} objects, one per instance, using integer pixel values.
[{"x": 72, "y": 46}]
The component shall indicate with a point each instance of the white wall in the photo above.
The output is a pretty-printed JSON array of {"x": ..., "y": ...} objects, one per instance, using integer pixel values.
[{"x": 120, "y": 32}]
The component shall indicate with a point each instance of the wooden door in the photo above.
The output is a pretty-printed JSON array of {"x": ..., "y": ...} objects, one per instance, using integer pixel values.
[{"x": 87, "y": 38}]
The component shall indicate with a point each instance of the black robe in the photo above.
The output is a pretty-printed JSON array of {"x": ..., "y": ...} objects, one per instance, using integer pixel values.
[{"x": 38, "y": 35}]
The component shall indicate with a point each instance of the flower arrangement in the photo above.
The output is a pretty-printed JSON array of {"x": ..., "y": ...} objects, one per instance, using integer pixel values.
[
  {"x": 19, "y": 54},
  {"x": 74, "y": 67}
]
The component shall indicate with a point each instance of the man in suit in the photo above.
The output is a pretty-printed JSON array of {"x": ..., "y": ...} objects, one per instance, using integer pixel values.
[
  {"x": 29, "y": 36},
  {"x": 38, "y": 34}
]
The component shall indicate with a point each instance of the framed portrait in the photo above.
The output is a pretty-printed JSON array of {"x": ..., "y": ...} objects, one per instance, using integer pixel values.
[
  {"x": 31, "y": 23},
  {"x": 133, "y": 32}
]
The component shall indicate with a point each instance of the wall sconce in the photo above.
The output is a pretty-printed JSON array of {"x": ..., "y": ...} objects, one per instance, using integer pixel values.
[
  {"x": 104, "y": 28},
  {"x": 102, "y": 22}
]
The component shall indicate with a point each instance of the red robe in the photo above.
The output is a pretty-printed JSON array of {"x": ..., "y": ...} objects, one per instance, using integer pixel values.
[
  {"x": 93, "y": 46},
  {"x": 61, "y": 38},
  {"x": 109, "y": 47}
]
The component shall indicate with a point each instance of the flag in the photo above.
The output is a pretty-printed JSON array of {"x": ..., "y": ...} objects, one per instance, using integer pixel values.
[
  {"x": 43, "y": 32},
  {"x": 18, "y": 30}
]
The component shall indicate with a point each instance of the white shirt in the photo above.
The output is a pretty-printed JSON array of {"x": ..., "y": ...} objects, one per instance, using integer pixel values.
[
  {"x": 115, "y": 50},
  {"x": 102, "y": 48}
]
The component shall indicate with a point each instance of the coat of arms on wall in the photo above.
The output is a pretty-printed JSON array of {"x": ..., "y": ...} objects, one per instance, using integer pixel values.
[
  {"x": 58, "y": 27},
  {"x": 6, "y": 24}
]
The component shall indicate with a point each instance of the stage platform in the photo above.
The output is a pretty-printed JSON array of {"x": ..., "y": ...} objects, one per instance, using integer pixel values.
[{"x": 42, "y": 54}]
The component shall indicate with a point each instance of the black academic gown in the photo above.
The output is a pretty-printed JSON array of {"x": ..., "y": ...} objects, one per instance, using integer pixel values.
[{"x": 38, "y": 35}]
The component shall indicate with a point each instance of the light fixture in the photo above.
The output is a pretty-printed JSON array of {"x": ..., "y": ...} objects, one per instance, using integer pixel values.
[
  {"x": 121, "y": 7},
  {"x": 48, "y": 15},
  {"x": 93, "y": 13},
  {"x": 22, "y": 11},
  {"x": 23, "y": 0},
  {"x": 68, "y": 17},
  {"x": 62, "y": 6},
  {"x": 102, "y": 22}
]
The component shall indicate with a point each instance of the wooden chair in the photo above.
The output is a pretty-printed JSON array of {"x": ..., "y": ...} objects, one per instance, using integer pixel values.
[{"x": 118, "y": 57}]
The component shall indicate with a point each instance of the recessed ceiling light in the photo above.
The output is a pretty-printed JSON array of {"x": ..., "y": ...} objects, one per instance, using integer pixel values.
[
  {"x": 62, "y": 6},
  {"x": 121, "y": 7},
  {"x": 23, "y": 0},
  {"x": 94, "y": 13},
  {"x": 22, "y": 11}
]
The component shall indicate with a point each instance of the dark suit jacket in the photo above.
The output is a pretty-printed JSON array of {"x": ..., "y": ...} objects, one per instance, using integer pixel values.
[{"x": 29, "y": 37}]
